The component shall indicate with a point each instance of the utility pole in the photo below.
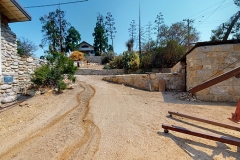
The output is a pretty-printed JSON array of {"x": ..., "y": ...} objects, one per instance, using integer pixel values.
[
  {"x": 189, "y": 21},
  {"x": 140, "y": 49}
]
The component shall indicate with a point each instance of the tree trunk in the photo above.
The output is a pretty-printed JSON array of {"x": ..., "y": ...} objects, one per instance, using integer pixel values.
[{"x": 231, "y": 26}]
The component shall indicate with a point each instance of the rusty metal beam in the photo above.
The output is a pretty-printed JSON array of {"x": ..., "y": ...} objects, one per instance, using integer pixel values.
[
  {"x": 206, "y": 121},
  {"x": 215, "y": 137},
  {"x": 216, "y": 80}
]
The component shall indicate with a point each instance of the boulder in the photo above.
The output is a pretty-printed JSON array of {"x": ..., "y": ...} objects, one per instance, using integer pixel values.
[{"x": 9, "y": 99}]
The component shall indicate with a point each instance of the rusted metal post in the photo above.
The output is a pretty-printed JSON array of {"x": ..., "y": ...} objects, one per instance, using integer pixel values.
[
  {"x": 236, "y": 116},
  {"x": 215, "y": 137},
  {"x": 216, "y": 80},
  {"x": 206, "y": 121}
]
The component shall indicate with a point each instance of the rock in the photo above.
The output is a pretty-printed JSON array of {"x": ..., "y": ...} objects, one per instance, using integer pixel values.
[
  {"x": 33, "y": 92},
  {"x": 70, "y": 86},
  {"x": 23, "y": 104},
  {"x": 11, "y": 94},
  {"x": 8, "y": 90},
  {"x": 9, "y": 99},
  {"x": 14, "y": 67},
  {"x": 6, "y": 86},
  {"x": 30, "y": 59}
]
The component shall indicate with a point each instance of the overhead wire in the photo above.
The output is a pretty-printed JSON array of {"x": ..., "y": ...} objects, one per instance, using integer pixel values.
[
  {"x": 212, "y": 12},
  {"x": 204, "y": 9},
  {"x": 56, "y": 4}
]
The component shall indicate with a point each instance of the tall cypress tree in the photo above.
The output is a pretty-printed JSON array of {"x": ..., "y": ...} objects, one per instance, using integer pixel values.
[{"x": 100, "y": 37}]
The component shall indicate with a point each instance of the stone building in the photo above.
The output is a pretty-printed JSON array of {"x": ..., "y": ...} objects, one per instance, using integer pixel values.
[
  {"x": 11, "y": 65},
  {"x": 207, "y": 60}
]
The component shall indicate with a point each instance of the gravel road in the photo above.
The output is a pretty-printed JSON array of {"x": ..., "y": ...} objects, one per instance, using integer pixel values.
[{"x": 104, "y": 121}]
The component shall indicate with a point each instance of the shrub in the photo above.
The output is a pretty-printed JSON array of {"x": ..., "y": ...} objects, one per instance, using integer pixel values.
[
  {"x": 117, "y": 62},
  {"x": 134, "y": 61},
  {"x": 52, "y": 74},
  {"x": 131, "y": 61},
  {"x": 147, "y": 61},
  {"x": 107, "y": 57},
  {"x": 77, "y": 56}
]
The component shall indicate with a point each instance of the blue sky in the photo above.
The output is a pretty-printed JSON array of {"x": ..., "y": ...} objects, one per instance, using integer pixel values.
[{"x": 207, "y": 14}]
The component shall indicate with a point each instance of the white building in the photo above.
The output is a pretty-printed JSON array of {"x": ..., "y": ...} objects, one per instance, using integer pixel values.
[{"x": 86, "y": 48}]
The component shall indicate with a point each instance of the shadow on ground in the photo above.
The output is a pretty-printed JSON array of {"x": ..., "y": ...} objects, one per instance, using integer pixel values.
[
  {"x": 190, "y": 147},
  {"x": 170, "y": 97}
]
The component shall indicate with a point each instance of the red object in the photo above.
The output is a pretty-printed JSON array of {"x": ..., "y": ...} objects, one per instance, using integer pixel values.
[
  {"x": 215, "y": 137},
  {"x": 236, "y": 115}
]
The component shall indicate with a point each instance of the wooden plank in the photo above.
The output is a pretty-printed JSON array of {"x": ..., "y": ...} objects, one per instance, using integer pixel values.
[
  {"x": 9, "y": 10},
  {"x": 215, "y": 137},
  {"x": 206, "y": 121},
  {"x": 216, "y": 80}
]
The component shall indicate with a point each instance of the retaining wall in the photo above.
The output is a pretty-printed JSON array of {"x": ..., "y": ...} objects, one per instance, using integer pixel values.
[
  {"x": 152, "y": 82},
  {"x": 99, "y": 72},
  {"x": 94, "y": 59}
]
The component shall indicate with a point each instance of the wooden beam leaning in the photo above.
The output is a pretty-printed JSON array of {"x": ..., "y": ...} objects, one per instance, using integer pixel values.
[
  {"x": 206, "y": 121},
  {"x": 215, "y": 137},
  {"x": 216, "y": 80}
]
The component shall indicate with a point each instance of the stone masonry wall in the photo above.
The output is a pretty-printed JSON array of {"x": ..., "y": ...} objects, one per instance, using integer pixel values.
[
  {"x": 9, "y": 63},
  {"x": 207, "y": 62},
  {"x": 152, "y": 82},
  {"x": 94, "y": 59},
  {"x": 13, "y": 65},
  {"x": 83, "y": 71}
]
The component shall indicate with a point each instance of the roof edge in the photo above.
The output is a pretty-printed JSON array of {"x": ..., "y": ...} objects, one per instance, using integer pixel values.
[
  {"x": 208, "y": 43},
  {"x": 19, "y": 6}
]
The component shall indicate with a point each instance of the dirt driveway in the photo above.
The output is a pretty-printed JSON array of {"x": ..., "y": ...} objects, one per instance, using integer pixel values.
[{"x": 104, "y": 121}]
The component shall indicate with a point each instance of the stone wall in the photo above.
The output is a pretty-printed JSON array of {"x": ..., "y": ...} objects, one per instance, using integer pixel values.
[
  {"x": 94, "y": 59},
  {"x": 99, "y": 72},
  {"x": 9, "y": 63},
  {"x": 207, "y": 62},
  {"x": 14, "y": 66},
  {"x": 179, "y": 67},
  {"x": 152, "y": 82}
]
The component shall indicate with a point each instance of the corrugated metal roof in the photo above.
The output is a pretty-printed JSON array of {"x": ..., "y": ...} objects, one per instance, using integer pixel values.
[{"x": 14, "y": 11}]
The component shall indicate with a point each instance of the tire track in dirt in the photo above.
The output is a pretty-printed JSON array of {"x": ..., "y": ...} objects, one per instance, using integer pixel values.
[
  {"x": 88, "y": 145},
  {"x": 85, "y": 109}
]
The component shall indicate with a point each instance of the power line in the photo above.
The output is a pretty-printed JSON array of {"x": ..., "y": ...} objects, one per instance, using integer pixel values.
[
  {"x": 56, "y": 4},
  {"x": 212, "y": 12},
  {"x": 205, "y": 9}
]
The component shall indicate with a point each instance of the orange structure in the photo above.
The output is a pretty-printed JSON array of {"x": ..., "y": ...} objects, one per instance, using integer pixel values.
[{"x": 236, "y": 115}]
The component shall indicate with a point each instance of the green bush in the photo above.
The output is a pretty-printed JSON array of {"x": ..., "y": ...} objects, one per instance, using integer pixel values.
[
  {"x": 116, "y": 63},
  {"x": 52, "y": 74},
  {"x": 147, "y": 61},
  {"x": 107, "y": 57},
  {"x": 134, "y": 62},
  {"x": 131, "y": 61}
]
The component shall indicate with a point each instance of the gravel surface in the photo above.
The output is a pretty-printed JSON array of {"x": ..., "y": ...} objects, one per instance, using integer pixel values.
[{"x": 104, "y": 121}]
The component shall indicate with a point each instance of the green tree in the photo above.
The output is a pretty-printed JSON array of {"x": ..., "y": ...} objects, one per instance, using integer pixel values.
[
  {"x": 178, "y": 32},
  {"x": 72, "y": 40},
  {"x": 110, "y": 29},
  {"x": 100, "y": 38},
  {"x": 59, "y": 35},
  {"x": 55, "y": 30},
  {"x": 25, "y": 47}
]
